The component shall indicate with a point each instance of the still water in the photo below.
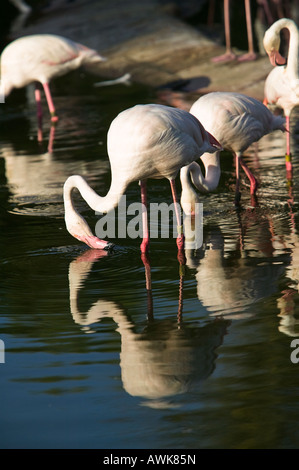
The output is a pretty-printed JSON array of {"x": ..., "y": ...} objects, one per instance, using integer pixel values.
[{"x": 96, "y": 359}]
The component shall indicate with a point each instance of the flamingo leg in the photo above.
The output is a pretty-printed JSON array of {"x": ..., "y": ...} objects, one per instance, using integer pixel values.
[
  {"x": 288, "y": 156},
  {"x": 39, "y": 113},
  {"x": 51, "y": 138},
  {"x": 180, "y": 238},
  {"x": 181, "y": 291},
  {"x": 145, "y": 242},
  {"x": 229, "y": 55},
  {"x": 252, "y": 179},
  {"x": 288, "y": 135},
  {"x": 51, "y": 106},
  {"x": 251, "y": 54},
  {"x": 148, "y": 283},
  {"x": 237, "y": 190}
]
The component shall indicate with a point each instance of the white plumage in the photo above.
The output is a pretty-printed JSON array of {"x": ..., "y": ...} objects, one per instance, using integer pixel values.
[
  {"x": 40, "y": 58},
  {"x": 282, "y": 83},
  {"x": 146, "y": 141},
  {"x": 236, "y": 121}
]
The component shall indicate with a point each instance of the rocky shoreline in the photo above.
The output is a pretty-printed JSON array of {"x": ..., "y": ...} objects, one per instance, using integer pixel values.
[{"x": 148, "y": 41}]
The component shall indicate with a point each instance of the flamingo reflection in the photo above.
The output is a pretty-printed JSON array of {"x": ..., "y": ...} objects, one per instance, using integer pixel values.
[
  {"x": 286, "y": 303},
  {"x": 34, "y": 181},
  {"x": 233, "y": 274},
  {"x": 167, "y": 358}
]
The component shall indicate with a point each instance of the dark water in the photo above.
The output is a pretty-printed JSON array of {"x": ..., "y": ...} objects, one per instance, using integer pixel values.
[{"x": 95, "y": 360}]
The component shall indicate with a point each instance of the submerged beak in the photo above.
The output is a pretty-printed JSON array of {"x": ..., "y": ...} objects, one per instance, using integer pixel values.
[{"x": 95, "y": 242}]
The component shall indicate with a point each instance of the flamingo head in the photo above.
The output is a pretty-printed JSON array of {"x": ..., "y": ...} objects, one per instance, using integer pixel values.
[
  {"x": 95, "y": 242},
  {"x": 271, "y": 43},
  {"x": 216, "y": 146},
  {"x": 79, "y": 229}
]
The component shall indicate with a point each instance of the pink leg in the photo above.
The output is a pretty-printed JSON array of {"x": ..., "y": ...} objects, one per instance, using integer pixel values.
[
  {"x": 229, "y": 55},
  {"x": 51, "y": 138},
  {"x": 145, "y": 242},
  {"x": 288, "y": 135},
  {"x": 288, "y": 156},
  {"x": 237, "y": 190},
  {"x": 253, "y": 181},
  {"x": 251, "y": 54},
  {"x": 51, "y": 106},
  {"x": 180, "y": 239},
  {"x": 39, "y": 113}
]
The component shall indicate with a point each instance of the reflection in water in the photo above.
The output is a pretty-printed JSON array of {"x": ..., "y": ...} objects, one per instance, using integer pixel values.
[
  {"x": 230, "y": 286},
  {"x": 232, "y": 277},
  {"x": 289, "y": 323},
  {"x": 35, "y": 181},
  {"x": 65, "y": 368},
  {"x": 234, "y": 273},
  {"x": 167, "y": 358}
]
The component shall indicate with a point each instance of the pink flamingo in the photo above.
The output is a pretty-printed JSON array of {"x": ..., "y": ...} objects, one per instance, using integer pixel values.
[
  {"x": 282, "y": 83},
  {"x": 236, "y": 121},
  {"x": 146, "y": 141},
  {"x": 40, "y": 58}
]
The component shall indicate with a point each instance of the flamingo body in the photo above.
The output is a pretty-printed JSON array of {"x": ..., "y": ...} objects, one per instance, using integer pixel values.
[
  {"x": 41, "y": 57},
  {"x": 282, "y": 84},
  {"x": 38, "y": 59},
  {"x": 146, "y": 141},
  {"x": 278, "y": 91},
  {"x": 236, "y": 121},
  {"x": 154, "y": 141}
]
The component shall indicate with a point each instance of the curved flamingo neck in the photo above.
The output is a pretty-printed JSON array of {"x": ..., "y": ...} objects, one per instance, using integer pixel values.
[
  {"x": 95, "y": 202},
  {"x": 206, "y": 183},
  {"x": 75, "y": 223},
  {"x": 292, "y": 64}
]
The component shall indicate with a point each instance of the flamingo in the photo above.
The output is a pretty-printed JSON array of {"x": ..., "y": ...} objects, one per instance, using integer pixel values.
[
  {"x": 204, "y": 184},
  {"x": 282, "y": 84},
  {"x": 236, "y": 121},
  {"x": 145, "y": 141},
  {"x": 40, "y": 58}
]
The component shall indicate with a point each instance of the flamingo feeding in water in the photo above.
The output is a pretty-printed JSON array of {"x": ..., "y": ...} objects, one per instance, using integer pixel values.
[
  {"x": 282, "y": 83},
  {"x": 39, "y": 58},
  {"x": 236, "y": 121},
  {"x": 146, "y": 141}
]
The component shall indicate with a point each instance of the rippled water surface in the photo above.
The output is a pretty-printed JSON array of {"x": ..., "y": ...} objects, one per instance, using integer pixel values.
[{"x": 96, "y": 359}]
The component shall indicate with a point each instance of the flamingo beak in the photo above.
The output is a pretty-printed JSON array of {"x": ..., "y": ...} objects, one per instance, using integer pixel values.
[
  {"x": 95, "y": 242},
  {"x": 214, "y": 142},
  {"x": 276, "y": 58}
]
